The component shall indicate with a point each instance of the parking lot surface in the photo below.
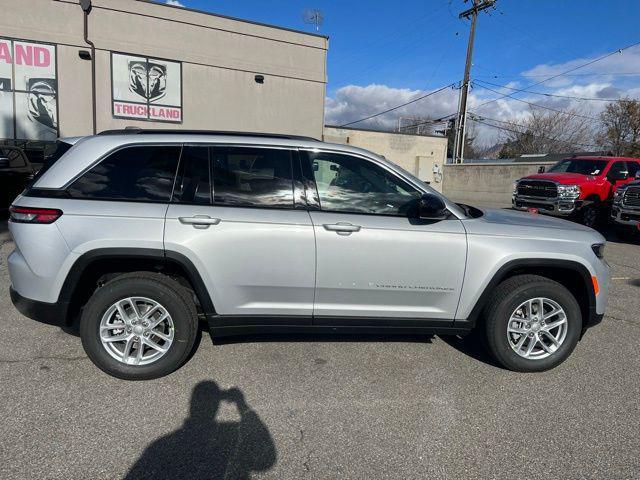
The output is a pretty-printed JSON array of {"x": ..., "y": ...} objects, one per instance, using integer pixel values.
[{"x": 325, "y": 407}]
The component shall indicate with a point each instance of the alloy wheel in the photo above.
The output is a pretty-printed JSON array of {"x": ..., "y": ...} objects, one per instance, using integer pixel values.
[
  {"x": 537, "y": 328},
  {"x": 136, "y": 331}
]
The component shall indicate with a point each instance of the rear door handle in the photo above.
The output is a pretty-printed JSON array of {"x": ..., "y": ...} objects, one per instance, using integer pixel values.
[
  {"x": 199, "y": 221},
  {"x": 342, "y": 228}
]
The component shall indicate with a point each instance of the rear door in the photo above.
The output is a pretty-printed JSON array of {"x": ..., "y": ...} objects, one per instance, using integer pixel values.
[
  {"x": 376, "y": 262},
  {"x": 233, "y": 214}
]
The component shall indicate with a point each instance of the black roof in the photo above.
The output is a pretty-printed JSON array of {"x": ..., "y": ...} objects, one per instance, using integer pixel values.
[{"x": 139, "y": 131}]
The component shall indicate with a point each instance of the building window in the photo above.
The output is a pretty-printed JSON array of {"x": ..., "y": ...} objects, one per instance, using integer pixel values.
[
  {"x": 28, "y": 91},
  {"x": 146, "y": 88},
  {"x": 136, "y": 173}
]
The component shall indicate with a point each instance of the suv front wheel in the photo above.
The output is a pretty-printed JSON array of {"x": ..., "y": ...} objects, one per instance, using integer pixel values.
[
  {"x": 139, "y": 326},
  {"x": 532, "y": 323}
]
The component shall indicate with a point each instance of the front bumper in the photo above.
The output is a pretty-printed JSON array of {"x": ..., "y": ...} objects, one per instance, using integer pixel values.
[
  {"x": 49, "y": 313},
  {"x": 550, "y": 206},
  {"x": 625, "y": 216}
]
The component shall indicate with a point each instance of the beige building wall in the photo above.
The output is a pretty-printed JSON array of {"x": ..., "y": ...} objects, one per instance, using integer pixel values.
[
  {"x": 220, "y": 57},
  {"x": 424, "y": 156}
]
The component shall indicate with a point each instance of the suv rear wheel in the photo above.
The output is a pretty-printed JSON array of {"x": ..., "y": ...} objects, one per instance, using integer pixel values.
[
  {"x": 139, "y": 326},
  {"x": 532, "y": 323}
]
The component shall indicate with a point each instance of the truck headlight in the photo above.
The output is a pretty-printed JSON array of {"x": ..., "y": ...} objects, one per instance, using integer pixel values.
[
  {"x": 569, "y": 192},
  {"x": 515, "y": 188},
  {"x": 618, "y": 194}
]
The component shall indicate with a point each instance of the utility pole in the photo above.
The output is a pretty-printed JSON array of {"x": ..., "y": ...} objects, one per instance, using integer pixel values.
[{"x": 458, "y": 149}]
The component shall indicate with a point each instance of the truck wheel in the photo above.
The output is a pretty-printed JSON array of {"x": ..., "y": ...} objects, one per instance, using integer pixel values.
[
  {"x": 139, "y": 326},
  {"x": 590, "y": 216},
  {"x": 532, "y": 323}
]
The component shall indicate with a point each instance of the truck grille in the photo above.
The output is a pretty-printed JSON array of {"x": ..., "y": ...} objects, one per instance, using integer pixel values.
[
  {"x": 537, "y": 188},
  {"x": 632, "y": 197}
]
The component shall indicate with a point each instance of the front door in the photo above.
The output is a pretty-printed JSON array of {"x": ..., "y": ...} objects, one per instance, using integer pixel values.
[
  {"x": 374, "y": 257},
  {"x": 233, "y": 215}
]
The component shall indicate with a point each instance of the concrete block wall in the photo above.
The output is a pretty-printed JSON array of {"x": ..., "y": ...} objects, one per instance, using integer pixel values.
[{"x": 489, "y": 184}]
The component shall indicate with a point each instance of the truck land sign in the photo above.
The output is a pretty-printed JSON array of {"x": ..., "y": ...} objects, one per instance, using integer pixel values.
[
  {"x": 28, "y": 91},
  {"x": 146, "y": 88}
]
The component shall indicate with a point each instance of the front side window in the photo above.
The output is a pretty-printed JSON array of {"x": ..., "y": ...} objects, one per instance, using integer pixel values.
[
  {"x": 617, "y": 169},
  {"x": 354, "y": 185},
  {"x": 136, "y": 173},
  {"x": 252, "y": 177}
]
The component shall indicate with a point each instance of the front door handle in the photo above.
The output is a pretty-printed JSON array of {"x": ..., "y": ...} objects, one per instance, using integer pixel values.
[
  {"x": 342, "y": 228},
  {"x": 199, "y": 221}
]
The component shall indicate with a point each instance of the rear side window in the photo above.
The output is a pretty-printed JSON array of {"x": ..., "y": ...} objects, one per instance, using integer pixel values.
[
  {"x": 136, "y": 173},
  {"x": 252, "y": 177}
]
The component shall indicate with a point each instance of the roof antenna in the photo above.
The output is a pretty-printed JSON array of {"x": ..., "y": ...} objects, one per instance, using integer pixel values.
[{"x": 313, "y": 16}]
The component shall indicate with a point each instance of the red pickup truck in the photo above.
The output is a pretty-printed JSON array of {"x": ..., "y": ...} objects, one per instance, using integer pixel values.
[{"x": 581, "y": 188}]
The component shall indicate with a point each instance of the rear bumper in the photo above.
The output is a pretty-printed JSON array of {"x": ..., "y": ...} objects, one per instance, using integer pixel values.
[
  {"x": 549, "y": 206},
  {"x": 49, "y": 313}
]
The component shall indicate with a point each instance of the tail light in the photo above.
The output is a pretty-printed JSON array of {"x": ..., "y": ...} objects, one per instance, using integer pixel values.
[{"x": 33, "y": 215}]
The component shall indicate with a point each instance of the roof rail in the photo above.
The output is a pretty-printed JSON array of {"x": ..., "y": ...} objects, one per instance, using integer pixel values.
[{"x": 140, "y": 131}]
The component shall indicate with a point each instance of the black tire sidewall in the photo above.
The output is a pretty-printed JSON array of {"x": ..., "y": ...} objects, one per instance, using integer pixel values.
[
  {"x": 497, "y": 326},
  {"x": 103, "y": 298}
]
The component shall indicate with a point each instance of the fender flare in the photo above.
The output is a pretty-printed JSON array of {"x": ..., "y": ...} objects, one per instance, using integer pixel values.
[
  {"x": 161, "y": 256},
  {"x": 503, "y": 272}
]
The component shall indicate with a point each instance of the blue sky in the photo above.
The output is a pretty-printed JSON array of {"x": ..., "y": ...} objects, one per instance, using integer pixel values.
[{"x": 382, "y": 53}]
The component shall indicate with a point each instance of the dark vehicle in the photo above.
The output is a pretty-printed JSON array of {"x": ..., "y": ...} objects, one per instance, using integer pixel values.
[
  {"x": 626, "y": 210},
  {"x": 15, "y": 173}
]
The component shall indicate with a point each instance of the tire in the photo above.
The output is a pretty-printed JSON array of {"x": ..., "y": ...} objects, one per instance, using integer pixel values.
[
  {"x": 511, "y": 294},
  {"x": 173, "y": 299},
  {"x": 591, "y": 216}
]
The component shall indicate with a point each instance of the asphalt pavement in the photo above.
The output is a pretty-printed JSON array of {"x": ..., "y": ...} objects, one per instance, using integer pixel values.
[{"x": 325, "y": 407}]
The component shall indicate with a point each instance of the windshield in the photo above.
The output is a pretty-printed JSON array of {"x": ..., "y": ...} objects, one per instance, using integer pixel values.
[{"x": 579, "y": 165}]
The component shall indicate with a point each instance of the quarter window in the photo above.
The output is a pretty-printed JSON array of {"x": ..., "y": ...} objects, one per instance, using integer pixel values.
[
  {"x": 252, "y": 177},
  {"x": 136, "y": 173},
  {"x": 355, "y": 185}
]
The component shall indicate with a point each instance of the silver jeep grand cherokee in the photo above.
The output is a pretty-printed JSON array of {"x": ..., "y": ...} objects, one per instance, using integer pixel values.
[{"x": 133, "y": 236}]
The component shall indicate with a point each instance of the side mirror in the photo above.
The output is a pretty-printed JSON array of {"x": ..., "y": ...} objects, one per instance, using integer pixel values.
[
  {"x": 4, "y": 162},
  {"x": 431, "y": 207},
  {"x": 541, "y": 169}
]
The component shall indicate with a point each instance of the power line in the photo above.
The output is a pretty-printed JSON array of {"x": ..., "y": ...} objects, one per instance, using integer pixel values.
[
  {"x": 591, "y": 62},
  {"x": 548, "y": 94},
  {"x": 506, "y": 95},
  {"x": 399, "y": 106},
  {"x": 475, "y": 119},
  {"x": 594, "y": 74}
]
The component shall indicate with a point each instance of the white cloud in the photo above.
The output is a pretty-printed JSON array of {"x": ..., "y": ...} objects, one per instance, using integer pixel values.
[
  {"x": 175, "y": 3},
  {"x": 599, "y": 80}
]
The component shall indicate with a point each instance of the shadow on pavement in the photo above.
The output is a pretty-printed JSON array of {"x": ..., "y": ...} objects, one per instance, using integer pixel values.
[
  {"x": 472, "y": 347},
  {"x": 204, "y": 448}
]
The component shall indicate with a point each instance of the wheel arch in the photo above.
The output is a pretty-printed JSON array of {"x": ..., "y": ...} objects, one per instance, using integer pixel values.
[
  {"x": 91, "y": 267},
  {"x": 572, "y": 274}
]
